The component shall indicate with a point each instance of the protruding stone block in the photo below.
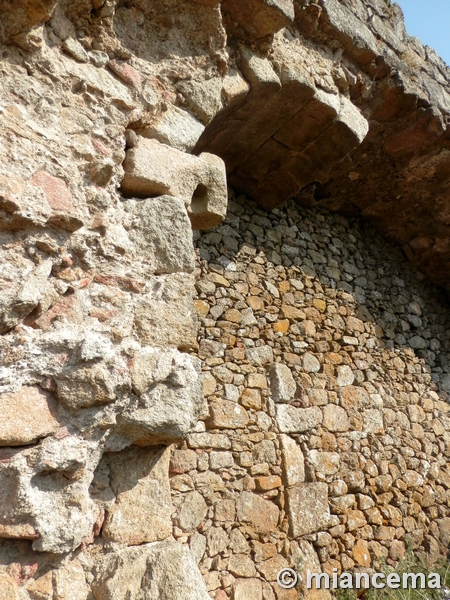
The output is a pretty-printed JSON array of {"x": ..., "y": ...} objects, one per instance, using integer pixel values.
[
  {"x": 19, "y": 301},
  {"x": 287, "y": 132},
  {"x": 81, "y": 388},
  {"x": 310, "y": 122},
  {"x": 26, "y": 416},
  {"x": 165, "y": 570},
  {"x": 154, "y": 169},
  {"x": 259, "y": 71},
  {"x": 260, "y": 17},
  {"x": 204, "y": 98},
  {"x": 176, "y": 128},
  {"x": 44, "y": 493},
  {"x": 169, "y": 409},
  {"x": 26, "y": 15},
  {"x": 357, "y": 39}
]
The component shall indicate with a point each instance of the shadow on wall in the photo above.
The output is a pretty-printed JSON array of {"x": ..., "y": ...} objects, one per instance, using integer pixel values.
[
  {"x": 343, "y": 259},
  {"x": 330, "y": 256}
]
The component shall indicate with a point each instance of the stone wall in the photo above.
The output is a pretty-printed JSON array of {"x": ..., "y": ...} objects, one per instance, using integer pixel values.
[
  {"x": 96, "y": 317},
  {"x": 326, "y": 376},
  {"x": 318, "y": 432}
]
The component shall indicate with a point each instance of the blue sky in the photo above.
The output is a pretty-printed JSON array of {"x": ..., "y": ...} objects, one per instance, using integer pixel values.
[{"x": 429, "y": 20}]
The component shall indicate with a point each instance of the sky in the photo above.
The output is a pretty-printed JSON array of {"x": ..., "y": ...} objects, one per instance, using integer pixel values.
[{"x": 429, "y": 20}]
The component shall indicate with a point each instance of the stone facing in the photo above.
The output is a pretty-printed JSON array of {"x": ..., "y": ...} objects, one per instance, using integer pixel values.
[{"x": 346, "y": 442}]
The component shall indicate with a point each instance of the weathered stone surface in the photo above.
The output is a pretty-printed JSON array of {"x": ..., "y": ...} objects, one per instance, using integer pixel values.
[
  {"x": 96, "y": 295},
  {"x": 260, "y": 356},
  {"x": 361, "y": 553},
  {"x": 283, "y": 172},
  {"x": 169, "y": 409},
  {"x": 261, "y": 17},
  {"x": 41, "y": 588},
  {"x": 444, "y": 531},
  {"x": 335, "y": 418},
  {"x": 354, "y": 397},
  {"x": 297, "y": 420},
  {"x": 192, "y": 512},
  {"x": 102, "y": 81},
  {"x": 176, "y": 128},
  {"x": 153, "y": 365},
  {"x": 345, "y": 376},
  {"x": 259, "y": 514},
  {"x": 165, "y": 315},
  {"x": 227, "y": 415},
  {"x": 282, "y": 383},
  {"x": 325, "y": 463},
  {"x": 216, "y": 540},
  {"x": 56, "y": 521},
  {"x": 397, "y": 550},
  {"x": 241, "y": 565},
  {"x": 26, "y": 416},
  {"x": 71, "y": 582},
  {"x": 9, "y": 590},
  {"x": 310, "y": 363},
  {"x": 154, "y": 169},
  {"x": 197, "y": 545},
  {"x": 165, "y": 571},
  {"x": 307, "y": 508},
  {"x": 247, "y": 589},
  {"x": 220, "y": 460},
  {"x": 142, "y": 507},
  {"x": 373, "y": 421},
  {"x": 55, "y": 190},
  {"x": 24, "y": 298},
  {"x": 75, "y": 49},
  {"x": 182, "y": 461},
  {"x": 125, "y": 72},
  {"x": 251, "y": 399},
  {"x": 86, "y": 387},
  {"x": 161, "y": 228},
  {"x": 26, "y": 17},
  {"x": 204, "y": 98},
  {"x": 310, "y": 563},
  {"x": 293, "y": 462},
  {"x": 209, "y": 440},
  {"x": 270, "y": 568}
]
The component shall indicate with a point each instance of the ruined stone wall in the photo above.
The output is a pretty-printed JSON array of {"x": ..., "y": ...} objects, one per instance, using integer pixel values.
[
  {"x": 96, "y": 316},
  {"x": 391, "y": 166},
  {"x": 325, "y": 438},
  {"x": 318, "y": 432}
]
